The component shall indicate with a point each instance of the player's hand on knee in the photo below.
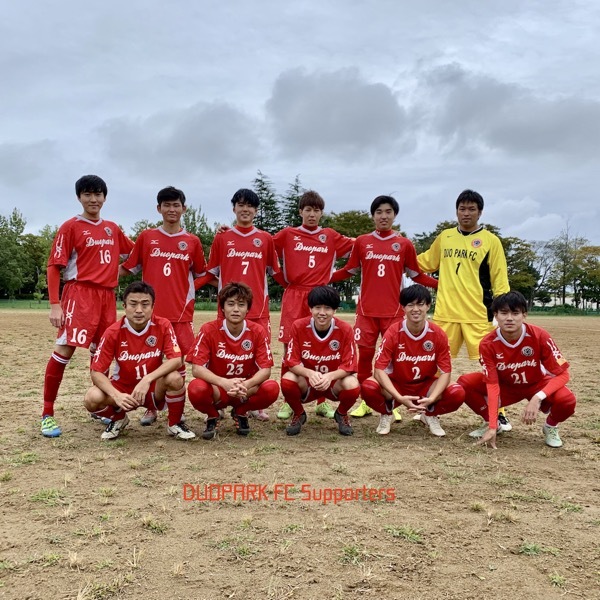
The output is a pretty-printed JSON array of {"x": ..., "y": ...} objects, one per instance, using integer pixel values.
[
  {"x": 127, "y": 402},
  {"x": 411, "y": 403}
]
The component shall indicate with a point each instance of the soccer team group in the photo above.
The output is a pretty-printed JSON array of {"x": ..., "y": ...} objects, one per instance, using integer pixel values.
[{"x": 139, "y": 361}]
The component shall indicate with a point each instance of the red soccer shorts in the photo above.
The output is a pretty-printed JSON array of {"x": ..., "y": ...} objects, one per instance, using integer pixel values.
[
  {"x": 294, "y": 306},
  {"x": 367, "y": 329},
  {"x": 184, "y": 332},
  {"x": 88, "y": 311}
]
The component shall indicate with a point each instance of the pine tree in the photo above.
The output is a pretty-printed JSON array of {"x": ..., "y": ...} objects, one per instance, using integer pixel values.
[
  {"x": 268, "y": 216},
  {"x": 289, "y": 204}
]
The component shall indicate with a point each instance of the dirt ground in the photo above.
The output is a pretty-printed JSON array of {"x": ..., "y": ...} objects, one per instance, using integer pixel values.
[{"x": 85, "y": 519}]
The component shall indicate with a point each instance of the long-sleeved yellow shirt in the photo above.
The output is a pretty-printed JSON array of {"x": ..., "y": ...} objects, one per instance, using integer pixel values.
[{"x": 472, "y": 270}]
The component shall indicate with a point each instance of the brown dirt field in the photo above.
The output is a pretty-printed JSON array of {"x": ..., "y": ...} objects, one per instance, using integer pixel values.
[{"x": 82, "y": 519}]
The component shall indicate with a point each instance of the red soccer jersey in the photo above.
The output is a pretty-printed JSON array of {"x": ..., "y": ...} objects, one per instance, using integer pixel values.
[
  {"x": 409, "y": 359},
  {"x": 335, "y": 351},
  {"x": 169, "y": 263},
  {"x": 524, "y": 363},
  {"x": 309, "y": 256},
  {"x": 246, "y": 257},
  {"x": 135, "y": 353},
  {"x": 382, "y": 261},
  {"x": 89, "y": 251},
  {"x": 228, "y": 356}
]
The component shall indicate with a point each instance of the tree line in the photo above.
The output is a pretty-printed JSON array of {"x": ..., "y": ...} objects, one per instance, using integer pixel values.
[{"x": 564, "y": 271}]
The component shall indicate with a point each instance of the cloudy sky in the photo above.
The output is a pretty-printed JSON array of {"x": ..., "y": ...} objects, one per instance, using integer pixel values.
[{"x": 417, "y": 99}]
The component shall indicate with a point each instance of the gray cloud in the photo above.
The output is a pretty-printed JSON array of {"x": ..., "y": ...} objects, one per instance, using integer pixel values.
[
  {"x": 22, "y": 163},
  {"x": 338, "y": 113},
  {"x": 471, "y": 112},
  {"x": 199, "y": 139}
]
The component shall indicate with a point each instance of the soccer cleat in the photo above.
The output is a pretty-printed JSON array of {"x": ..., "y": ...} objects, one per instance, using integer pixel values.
[
  {"x": 103, "y": 420},
  {"x": 385, "y": 424},
  {"x": 241, "y": 423},
  {"x": 325, "y": 410},
  {"x": 343, "y": 422},
  {"x": 551, "y": 436},
  {"x": 181, "y": 431},
  {"x": 433, "y": 423},
  {"x": 285, "y": 411},
  {"x": 114, "y": 428},
  {"x": 480, "y": 432},
  {"x": 50, "y": 427},
  {"x": 211, "y": 428},
  {"x": 361, "y": 411},
  {"x": 149, "y": 417},
  {"x": 503, "y": 423},
  {"x": 295, "y": 426},
  {"x": 397, "y": 415},
  {"x": 261, "y": 415}
]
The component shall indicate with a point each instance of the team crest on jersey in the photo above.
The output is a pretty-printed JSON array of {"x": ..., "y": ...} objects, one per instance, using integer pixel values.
[
  {"x": 182, "y": 246},
  {"x": 395, "y": 246},
  {"x": 322, "y": 238},
  {"x": 247, "y": 345},
  {"x": 527, "y": 351},
  {"x": 334, "y": 345},
  {"x": 151, "y": 341},
  {"x": 108, "y": 231},
  {"x": 428, "y": 346},
  {"x": 257, "y": 242},
  {"x": 476, "y": 243}
]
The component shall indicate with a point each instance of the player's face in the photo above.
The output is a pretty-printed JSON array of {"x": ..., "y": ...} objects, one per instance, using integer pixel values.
[
  {"x": 322, "y": 315},
  {"x": 171, "y": 211},
  {"x": 138, "y": 310},
  {"x": 244, "y": 214},
  {"x": 92, "y": 203},
  {"x": 383, "y": 217},
  {"x": 416, "y": 313},
  {"x": 510, "y": 322},
  {"x": 468, "y": 215},
  {"x": 311, "y": 216},
  {"x": 235, "y": 310}
]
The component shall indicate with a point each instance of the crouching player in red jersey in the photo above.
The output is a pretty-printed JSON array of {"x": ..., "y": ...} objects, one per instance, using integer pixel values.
[
  {"x": 88, "y": 248},
  {"x": 232, "y": 362},
  {"x": 137, "y": 343},
  {"x": 520, "y": 361},
  {"x": 413, "y": 367},
  {"x": 171, "y": 259},
  {"x": 321, "y": 359}
]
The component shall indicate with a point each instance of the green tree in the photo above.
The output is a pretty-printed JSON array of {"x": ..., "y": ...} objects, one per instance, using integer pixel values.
[
  {"x": 289, "y": 204},
  {"x": 13, "y": 260},
  {"x": 520, "y": 259},
  {"x": 268, "y": 215},
  {"x": 566, "y": 270},
  {"x": 423, "y": 241}
]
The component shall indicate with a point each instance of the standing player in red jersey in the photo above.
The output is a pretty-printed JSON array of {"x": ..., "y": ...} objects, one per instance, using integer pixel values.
[
  {"x": 246, "y": 254},
  {"x": 88, "y": 248},
  {"x": 308, "y": 254},
  {"x": 520, "y": 361},
  {"x": 321, "y": 361},
  {"x": 232, "y": 362},
  {"x": 170, "y": 259},
  {"x": 137, "y": 343},
  {"x": 413, "y": 367},
  {"x": 382, "y": 256}
]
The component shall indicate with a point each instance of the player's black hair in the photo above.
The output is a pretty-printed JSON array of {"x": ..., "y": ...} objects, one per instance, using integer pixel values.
[
  {"x": 470, "y": 196},
  {"x": 514, "y": 301},
  {"x": 415, "y": 293},
  {"x": 91, "y": 184},
  {"x": 384, "y": 200},
  {"x": 312, "y": 199},
  {"x": 233, "y": 289},
  {"x": 170, "y": 194},
  {"x": 245, "y": 196},
  {"x": 324, "y": 295},
  {"x": 139, "y": 287}
]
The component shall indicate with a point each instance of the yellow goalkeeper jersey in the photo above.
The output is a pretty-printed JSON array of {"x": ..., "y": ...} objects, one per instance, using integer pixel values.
[{"x": 472, "y": 270}]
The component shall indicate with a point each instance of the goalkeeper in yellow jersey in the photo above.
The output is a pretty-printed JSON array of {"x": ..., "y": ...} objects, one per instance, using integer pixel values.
[{"x": 472, "y": 271}]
